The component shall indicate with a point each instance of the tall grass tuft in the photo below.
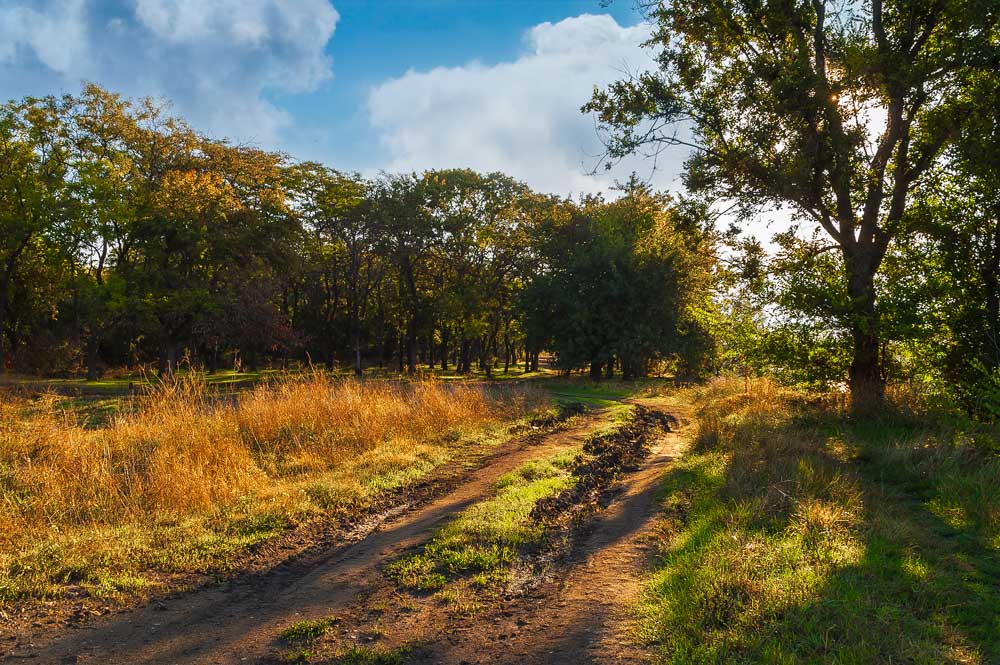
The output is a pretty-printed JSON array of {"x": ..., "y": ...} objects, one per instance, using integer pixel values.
[{"x": 185, "y": 477}]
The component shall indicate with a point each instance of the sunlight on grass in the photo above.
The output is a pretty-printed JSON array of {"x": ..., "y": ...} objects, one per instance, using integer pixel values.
[
  {"x": 305, "y": 630},
  {"x": 483, "y": 542},
  {"x": 373, "y": 655},
  {"x": 186, "y": 481},
  {"x": 789, "y": 534}
]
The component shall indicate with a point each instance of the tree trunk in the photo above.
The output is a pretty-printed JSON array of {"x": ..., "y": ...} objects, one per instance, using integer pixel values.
[
  {"x": 464, "y": 360},
  {"x": 864, "y": 377},
  {"x": 381, "y": 329},
  {"x": 595, "y": 370},
  {"x": 991, "y": 281},
  {"x": 357, "y": 348},
  {"x": 3, "y": 322},
  {"x": 168, "y": 359},
  {"x": 93, "y": 347},
  {"x": 411, "y": 346},
  {"x": 609, "y": 370},
  {"x": 444, "y": 348}
]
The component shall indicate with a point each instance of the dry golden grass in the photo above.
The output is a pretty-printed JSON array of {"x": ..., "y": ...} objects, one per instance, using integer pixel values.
[{"x": 185, "y": 479}]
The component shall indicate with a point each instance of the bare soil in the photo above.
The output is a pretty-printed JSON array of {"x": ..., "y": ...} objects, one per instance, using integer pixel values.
[
  {"x": 578, "y": 613},
  {"x": 584, "y": 615}
]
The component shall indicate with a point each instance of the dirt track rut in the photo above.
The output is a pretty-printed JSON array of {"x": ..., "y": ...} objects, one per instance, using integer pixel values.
[
  {"x": 238, "y": 622},
  {"x": 583, "y": 616}
]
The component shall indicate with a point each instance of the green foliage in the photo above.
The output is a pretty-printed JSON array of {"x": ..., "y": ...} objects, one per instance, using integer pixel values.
[
  {"x": 780, "y": 316},
  {"x": 950, "y": 271},
  {"x": 128, "y": 238},
  {"x": 621, "y": 282},
  {"x": 836, "y": 111}
]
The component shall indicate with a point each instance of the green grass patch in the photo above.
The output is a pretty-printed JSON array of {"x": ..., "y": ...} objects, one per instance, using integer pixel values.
[
  {"x": 306, "y": 630},
  {"x": 483, "y": 542},
  {"x": 593, "y": 394},
  {"x": 606, "y": 393},
  {"x": 373, "y": 655},
  {"x": 789, "y": 535}
]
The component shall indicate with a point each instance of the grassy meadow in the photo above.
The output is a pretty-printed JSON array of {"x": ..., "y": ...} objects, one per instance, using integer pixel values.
[
  {"x": 791, "y": 534},
  {"x": 182, "y": 479}
]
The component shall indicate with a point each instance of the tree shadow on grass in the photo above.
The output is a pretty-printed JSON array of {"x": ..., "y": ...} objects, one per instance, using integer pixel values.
[{"x": 810, "y": 539}]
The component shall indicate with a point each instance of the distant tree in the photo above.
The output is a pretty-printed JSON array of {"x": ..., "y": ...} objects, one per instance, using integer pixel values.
[
  {"x": 483, "y": 223},
  {"x": 104, "y": 185},
  {"x": 411, "y": 235},
  {"x": 335, "y": 207},
  {"x": 620, "y": 282},
  {"x": 34, "y": 197}
]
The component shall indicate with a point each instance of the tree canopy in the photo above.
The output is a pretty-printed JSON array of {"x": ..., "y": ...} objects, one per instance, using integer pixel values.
[{"x": 839, "y": 111}]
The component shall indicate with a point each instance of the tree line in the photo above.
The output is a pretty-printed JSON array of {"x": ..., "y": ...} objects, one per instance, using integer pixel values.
[{"x": 127, "y": 238}]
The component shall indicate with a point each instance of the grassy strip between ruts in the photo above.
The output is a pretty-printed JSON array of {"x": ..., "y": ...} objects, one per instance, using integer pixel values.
[
  {"x": 535, "y": 510},
  {"x": 484, "y": 541},
  {"x": 790, "y": 534}
]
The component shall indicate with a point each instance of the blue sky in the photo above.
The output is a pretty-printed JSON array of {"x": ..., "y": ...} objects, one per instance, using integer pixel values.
[
  {"x": 361, "y": 85},
  {"x": 380, "y": 40}
]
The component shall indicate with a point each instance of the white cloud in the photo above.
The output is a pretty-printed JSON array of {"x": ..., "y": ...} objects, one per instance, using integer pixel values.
[
  {"x": 216, "y": 61},
  {"x": 521, "y": 117},
  {"x": 57, "y": 37},
  {"x": 288, "y": 36}
]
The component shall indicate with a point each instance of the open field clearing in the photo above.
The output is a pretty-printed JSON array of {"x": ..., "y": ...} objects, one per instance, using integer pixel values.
[
  {"x": 737, "y": 521},
  {"x": 245, "y": 617},
  {"x": 184, "y": 482}
]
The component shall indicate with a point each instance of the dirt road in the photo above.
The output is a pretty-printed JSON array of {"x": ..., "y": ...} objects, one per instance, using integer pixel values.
[
  {"x": 584, "y": 615},
  {"x": 573, "y": 618},
  {"x": 238, "y": 622}
]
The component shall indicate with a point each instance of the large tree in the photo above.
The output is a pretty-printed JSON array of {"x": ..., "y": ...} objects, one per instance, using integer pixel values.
[{"x": 837, "y": 110}]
